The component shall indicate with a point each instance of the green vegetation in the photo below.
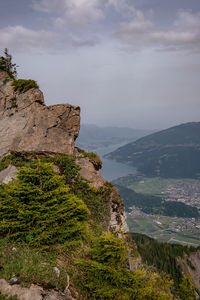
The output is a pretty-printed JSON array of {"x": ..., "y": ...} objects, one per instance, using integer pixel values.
[
  {"x": 39, "y": 209},
  {"x": 187, "y": 289},
  {"x": 7, "y": 65},
  {"x": 20, "y": 85},
  {"x": 15, "y": 160},
  {"x": 95, "y": 158},
  {"x": 163, "y": 257},
  {"x": 3, "y": 297},
  {"x": 104, "y": 275},
  {"x": 30, "y": 265},
  {"x": 23, "y": 85},
  {"x": 109, "y": 250},
  {"x": 45, "y": 223},
  {"x": 150, "y": 204}
]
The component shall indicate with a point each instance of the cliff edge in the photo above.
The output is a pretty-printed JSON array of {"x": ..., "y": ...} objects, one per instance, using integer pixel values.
[{"x": 27, "y": 125}]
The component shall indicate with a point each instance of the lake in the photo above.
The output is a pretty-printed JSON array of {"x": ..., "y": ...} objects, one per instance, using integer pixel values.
[{"x": 112, "y": 169}]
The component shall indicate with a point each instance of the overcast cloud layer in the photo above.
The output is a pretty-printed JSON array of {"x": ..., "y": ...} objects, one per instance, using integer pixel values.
[{"x": 125, "y": 62}]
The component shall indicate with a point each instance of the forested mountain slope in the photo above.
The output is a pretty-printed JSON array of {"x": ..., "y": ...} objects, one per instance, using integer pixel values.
[{"x": 174, "y": 152}]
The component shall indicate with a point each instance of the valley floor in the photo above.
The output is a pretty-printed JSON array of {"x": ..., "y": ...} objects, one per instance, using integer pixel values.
[
  {"x": 185, "y": 231},
  {"x": 164, "y": 228}
]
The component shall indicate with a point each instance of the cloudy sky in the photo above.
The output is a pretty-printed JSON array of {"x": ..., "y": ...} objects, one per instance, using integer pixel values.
[{"x": 132, "y": 63}]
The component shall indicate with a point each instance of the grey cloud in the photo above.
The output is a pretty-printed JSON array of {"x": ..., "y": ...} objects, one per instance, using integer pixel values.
[
  {"x": 21, "y": 39},
  {"x": 143, "y": 32},
  {"x": 79, "y": 13},
  {"x": 123, "y": 7}
]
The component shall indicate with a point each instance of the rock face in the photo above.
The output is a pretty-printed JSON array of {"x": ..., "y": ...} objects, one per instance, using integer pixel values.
[
  {"x": 90, "y": 172},
  {"x": 27, "y": 125},
  {"x": 193, "y": 272},
  {"x": 35, "y": 292}
]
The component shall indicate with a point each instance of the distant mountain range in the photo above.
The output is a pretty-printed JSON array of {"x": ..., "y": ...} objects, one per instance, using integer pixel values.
[
  {"x": 173, "y": 153},
  {"x": 92, "y": 137}
]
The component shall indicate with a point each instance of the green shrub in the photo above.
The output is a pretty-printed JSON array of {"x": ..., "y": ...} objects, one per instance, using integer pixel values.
[
  {"x": 187, "y": 288},
  {"x": 4, "y": 297},
  {"x": 105, "y": 277},
  {"x": 15, "y": 160},
  {"x": 91, "y": 155},
  {"x": 109, "y": 250},
  {"x": 39, "y": 208},
  {"x": 7, "y": 65},
  {"x": 23, "y": 85}
]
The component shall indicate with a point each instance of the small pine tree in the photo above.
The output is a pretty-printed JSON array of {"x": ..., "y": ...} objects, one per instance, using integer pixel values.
[
  {"x": 39, "y": 208},
  {"x": 104, "y": 276},
  {"x": 187, "y": 288},
  {"x": 7, "y": 65},
  {"x": 109, "y": 250}
]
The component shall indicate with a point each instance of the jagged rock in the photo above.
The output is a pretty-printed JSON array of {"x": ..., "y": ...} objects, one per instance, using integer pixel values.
[
  {"x": 35, "y": 292},
  {"x": 8, "y": 174},
  {"x": 27, "y": 125},
  {"x": 89, "y": 172},
  {"x": 117, "y": 213}
]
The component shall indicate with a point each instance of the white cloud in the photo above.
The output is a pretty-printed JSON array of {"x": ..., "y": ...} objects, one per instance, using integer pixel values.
[
  {"x": 76, "y": 21},
  {"x": 143, "y": 32},
  {"x": 123, "y": 7},
  {"x": 79, "y": 13},
  {"x": 21, "y": 39},
  {"x": 187, "y": 20}
]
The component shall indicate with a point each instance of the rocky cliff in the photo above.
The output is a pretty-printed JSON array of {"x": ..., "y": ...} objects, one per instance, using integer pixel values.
[
  {"x": 30, "y": 129},
  {"x": 27, "y": 125}
]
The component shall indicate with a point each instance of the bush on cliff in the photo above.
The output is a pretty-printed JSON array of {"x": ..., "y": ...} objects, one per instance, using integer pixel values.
[
  {"x": 39, "y": 208},
  {"x": 105, "y": 275},
  {"x": 23, "y": 85},
  {"x": 7, "y": 65}
]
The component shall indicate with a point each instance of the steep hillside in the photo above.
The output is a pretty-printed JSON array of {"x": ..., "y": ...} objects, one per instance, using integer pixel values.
[
  {"x": 63, "y": 231},
  {"x": 169, "y": 258},
  {"x": 174, "y": 152}
]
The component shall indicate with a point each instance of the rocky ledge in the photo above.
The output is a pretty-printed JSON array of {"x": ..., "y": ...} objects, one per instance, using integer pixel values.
[{"x": 27, "y": 125}]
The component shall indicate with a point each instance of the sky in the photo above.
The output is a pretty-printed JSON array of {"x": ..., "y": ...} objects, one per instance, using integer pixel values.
[{"x": 126, "y": 63}]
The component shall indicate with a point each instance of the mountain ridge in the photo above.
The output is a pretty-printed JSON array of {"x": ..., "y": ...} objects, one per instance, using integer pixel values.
[{"x": 173, "y": 152}]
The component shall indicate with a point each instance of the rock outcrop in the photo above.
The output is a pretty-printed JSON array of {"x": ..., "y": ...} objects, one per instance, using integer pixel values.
[
  {"x": 193, "y": 271},
  {"x": 8, "y": 174},
  {"x": 35, "y": 292},
  {"x": 27, "y": 125},
  {"x": 89, "y": 171}
]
